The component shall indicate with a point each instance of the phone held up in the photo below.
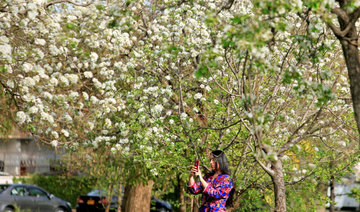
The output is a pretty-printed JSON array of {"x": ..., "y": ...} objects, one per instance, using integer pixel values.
[{"x": 196, "y": 165}]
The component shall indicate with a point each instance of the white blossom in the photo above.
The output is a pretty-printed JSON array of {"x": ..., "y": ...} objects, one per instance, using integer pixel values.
[
  {"x": 40, "y": 42},
  {"x": 21, "y": 117},
  {"x": 65, "y": 132},
  {"x": 88, "y": 74},
  {"x": 197, "y": 96},
  {"x": 54, "y": 143}
]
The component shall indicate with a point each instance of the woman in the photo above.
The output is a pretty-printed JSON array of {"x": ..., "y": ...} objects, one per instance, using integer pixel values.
[{"x": 215, "y": 186}]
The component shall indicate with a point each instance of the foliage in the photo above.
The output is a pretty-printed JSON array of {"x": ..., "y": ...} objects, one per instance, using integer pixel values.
[
  {"x": 68, "y": 188},
  {"x": 137, "y": 90}
]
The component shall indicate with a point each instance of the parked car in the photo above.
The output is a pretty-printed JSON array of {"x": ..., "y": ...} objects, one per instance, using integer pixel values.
[
  {"x": 160, "y": 205},
  {"x": 30, "y": 197},
  {"x": 96, "y": 201}
]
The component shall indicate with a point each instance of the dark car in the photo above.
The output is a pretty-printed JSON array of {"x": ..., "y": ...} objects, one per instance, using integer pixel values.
[
  {"x": 30, "y": 197},
  {"x": 96, "y": 200},
  {"x": 160, "y": 205}
]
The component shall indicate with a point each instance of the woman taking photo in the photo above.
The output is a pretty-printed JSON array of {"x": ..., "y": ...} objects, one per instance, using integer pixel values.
[{"x": 215, "y": 186}]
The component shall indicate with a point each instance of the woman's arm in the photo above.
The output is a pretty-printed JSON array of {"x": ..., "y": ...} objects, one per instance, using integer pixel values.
[
  {"x": 203, "y": 182},
  {"x": 194, "y": 187},
  {"x": 221, "y": 191}
]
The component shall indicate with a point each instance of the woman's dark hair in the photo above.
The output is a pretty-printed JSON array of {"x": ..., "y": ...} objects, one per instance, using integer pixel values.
[{"x": 220, "y": 158}]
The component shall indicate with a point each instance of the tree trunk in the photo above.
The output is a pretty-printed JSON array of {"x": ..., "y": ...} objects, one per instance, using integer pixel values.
[
  {"x": 332, "y": 186},
  {"x": 119, "y": 199},
  {"x": 332, "y": 194},
  {"x": 351, "y": 55},
  {"x": 279, "y": 186},
  {"x": 349, "y": 43},
  {"x": 181, "y": 195},
  {"x": 137, "y": 198}
]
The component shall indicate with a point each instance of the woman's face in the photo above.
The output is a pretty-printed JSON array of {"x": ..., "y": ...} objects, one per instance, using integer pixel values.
[{"x": 213, "y": 163}]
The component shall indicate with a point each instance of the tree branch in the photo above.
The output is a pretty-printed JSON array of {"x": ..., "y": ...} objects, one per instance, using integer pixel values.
[
  {"x": 341, "y": 13},
  {"x": 66, "y": 1}
]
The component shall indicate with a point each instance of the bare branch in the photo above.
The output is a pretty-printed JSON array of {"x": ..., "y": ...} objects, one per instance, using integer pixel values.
[
  {"x": 267, "y": 169},
  {"x": 66, "y": 1}
]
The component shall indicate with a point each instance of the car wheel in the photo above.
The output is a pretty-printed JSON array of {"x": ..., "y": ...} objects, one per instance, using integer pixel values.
[
  {"x": 9, "y": 209},
  {"x": 60, "y": 210}
]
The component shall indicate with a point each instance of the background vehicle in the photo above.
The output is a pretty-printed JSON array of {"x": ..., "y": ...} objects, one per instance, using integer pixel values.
[
  {"x": 96, "y": 200},
  {"x": 30, "y": 197}
]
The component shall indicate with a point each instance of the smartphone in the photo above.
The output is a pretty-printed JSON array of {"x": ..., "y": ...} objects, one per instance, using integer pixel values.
[{"x": 197, "y": 165}]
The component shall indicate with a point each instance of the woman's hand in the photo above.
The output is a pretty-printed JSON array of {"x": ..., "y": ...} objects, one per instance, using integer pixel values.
[{"x": 196, "y": 172}]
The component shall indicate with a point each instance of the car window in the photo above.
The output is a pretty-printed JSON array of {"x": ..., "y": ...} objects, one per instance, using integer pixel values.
[
  {"x": 96, "y": 193},
  {"x": 37, "y": 193},
  {"x": 19, "y": 191},
  {"x": 3, "y": 187}
]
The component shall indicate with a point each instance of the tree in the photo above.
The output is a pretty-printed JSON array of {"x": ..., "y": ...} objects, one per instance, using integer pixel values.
[{"x": 160, "y": 83}]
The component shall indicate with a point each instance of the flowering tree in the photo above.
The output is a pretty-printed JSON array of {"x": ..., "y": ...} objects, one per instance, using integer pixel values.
[{"x": 157, "y": 83}]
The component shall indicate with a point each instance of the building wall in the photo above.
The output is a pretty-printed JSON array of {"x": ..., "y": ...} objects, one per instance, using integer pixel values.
[{"x": 23, "y": 156}]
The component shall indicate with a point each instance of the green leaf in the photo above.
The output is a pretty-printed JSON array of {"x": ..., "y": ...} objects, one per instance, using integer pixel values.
[{"x": 203, "y": 71}]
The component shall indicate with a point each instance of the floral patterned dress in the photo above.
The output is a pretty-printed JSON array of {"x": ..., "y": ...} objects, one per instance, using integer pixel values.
[{"x": 215, "y": 194}]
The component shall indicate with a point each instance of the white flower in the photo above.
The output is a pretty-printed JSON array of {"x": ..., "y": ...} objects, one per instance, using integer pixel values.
[
  {"x": 342, "y": 143},
  {"x": 33, "y": 110},
  {"x": 168, "y": 77},
  {"x": 10, "y": 84},
  {"x": 311, "y": 165},
  {"x": 158, "y": 109},
  {"x": 28, "y": 81},
  {"x": 183, "y": 116},
  {"x": 4, "y": 39},
  {"x": 108, "y": 123},
  {"x": 216, "y": 101},
  {"x": 21, "y": 117},
  {"x": 55, "y": 134},
  {"x": 154, "y": 171},
  {"x": 64, "y": 80},
  {"x": 54, "y": 50},
  {"x": 65, "y": 132},
  {"x": 197, "y": 96},
  {"x": 27, "y": 67},
  {"x": 85, "y": 95},
  {"x": 74, "y": 94},
  {"x": 88, "y": 74},
  {"x": 67, "y": 118},
  {"x": 94, "y": 100},
  {"x": 5, "y": 49},
  {"x": 91, "y": 125},
  {"x": 171, "y": 121},
  {"x": 54, "y": 81},
  {"x": 73, "y": 78},
  {"x": 40, "y": 42},
  {"x": 54, "y": 143},
  {"x": 94, "y": 57}
]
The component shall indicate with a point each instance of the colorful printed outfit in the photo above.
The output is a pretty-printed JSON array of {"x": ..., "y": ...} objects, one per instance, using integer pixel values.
[{"x": 215, "y": 194}]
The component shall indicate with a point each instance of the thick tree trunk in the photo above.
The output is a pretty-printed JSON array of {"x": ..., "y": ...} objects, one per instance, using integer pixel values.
[
  {"x": 349, "y": 43},
  {"x": 351, "y": 55},
  {"x": 279, "y": 186},
  {"x": 137, "y": 198},
  {"x": 181, "y": 191}
]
